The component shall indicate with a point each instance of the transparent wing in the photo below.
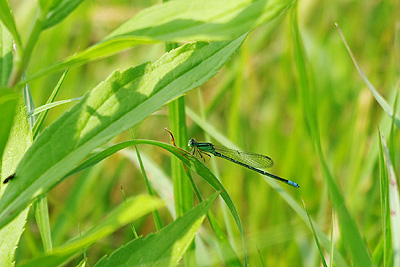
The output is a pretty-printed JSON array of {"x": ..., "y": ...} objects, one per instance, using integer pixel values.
[
  {"x": 252, "y": 159},
  {"x": 200, "y": 155}
]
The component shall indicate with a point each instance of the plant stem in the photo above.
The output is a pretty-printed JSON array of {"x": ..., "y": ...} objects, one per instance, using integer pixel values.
[{"x": 22, "y": 57}]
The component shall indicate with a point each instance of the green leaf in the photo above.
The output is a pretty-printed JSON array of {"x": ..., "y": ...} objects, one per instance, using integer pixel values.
[
  {"x": 133, "y": 209},
  {"x": 165, "y": 248},
  {"x": 117, "y": 104},
  {"x": 205, "y": 20},
  {"x": 8, "y": 106},
  {"x": 6, "y": 56},
  {"x": 19, "y": 140},
  {"x": 8, "y": 21},
  {"x": 180, "y": 21},
  {"x": 59, "y": 11},
  {"x": 195, "y": 165}
]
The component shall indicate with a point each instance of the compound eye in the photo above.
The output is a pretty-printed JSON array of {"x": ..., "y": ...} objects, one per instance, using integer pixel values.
[{"x": 191, "y": 142}]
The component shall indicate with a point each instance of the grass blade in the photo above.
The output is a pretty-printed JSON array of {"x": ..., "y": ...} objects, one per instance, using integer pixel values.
[
  {"x": 385, "y": 208},
  {"x": 394, "y": 204},
  {"x": 315, "y": 236},
  {"x": 379, "y": 98},
  {"x": 156, "y": 215},
  {"x": 43, "y": 115},
  {"x": 46, "y": 107}
]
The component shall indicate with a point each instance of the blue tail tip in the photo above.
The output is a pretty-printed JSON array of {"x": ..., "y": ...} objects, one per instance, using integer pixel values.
[{"x": 294, "y": 184}]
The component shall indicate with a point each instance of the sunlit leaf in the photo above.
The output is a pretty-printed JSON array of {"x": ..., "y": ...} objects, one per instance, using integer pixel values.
[{"x": 118, "y": 103}]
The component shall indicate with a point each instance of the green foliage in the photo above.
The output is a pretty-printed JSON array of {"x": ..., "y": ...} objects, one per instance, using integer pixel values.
[
  {"x": 165, "y": 248},
  {"x": 8, "y": 103},
  {"x": 275, "y": 79},
  {"x": 117, "y": 104},
  {"x": 19, "y": 139},
  {"x": 133, "y": 209},
  {"x": 348, "y": 228}
]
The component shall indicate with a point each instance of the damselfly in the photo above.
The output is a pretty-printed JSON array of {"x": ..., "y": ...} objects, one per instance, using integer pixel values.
[{"x": 253, "y": 161}]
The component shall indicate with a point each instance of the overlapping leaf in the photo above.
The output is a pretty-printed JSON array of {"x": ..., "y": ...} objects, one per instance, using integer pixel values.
[
  {"x": 133, "y": 209},
  {"x": 120, "y": 102},
  {"x": 165, "y": 248},
  {"x": 180, "y": 21}
]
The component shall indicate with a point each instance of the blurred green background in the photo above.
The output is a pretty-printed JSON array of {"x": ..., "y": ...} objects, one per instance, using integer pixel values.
[{"x": 255, "y": 103}]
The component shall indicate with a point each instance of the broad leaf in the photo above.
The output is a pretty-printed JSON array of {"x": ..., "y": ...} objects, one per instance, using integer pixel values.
[
  {"x": 165, "y": 248},
  {"x": 192, "y": 163},
  {"x": 20, "y": 139},
  {"x": 180, "y": 21},
  {"x": 133, "y": 209}
]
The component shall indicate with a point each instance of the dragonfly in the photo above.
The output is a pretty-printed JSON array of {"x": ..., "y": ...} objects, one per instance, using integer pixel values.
[{"x": 252, "y": 161}]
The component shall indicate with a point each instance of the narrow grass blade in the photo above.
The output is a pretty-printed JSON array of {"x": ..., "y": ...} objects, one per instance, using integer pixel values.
[
  {"x": 164, "y": 248},
  {"x": 156, "y": 215},
  {"x": 46, "y": 107},
  {"x": 394, "y": 204},
  {"x": 180, "y": 21},
  {"x": 385, "y": 208},
  {"x": 133, "y": 209},
  {"x": 315, "y": 235},
  {"x": 43, "y": 115},
  {"x": 117, "y": 104},
  {"x": 379, "y": 98},
  {"x": 348, "y": 227}
]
